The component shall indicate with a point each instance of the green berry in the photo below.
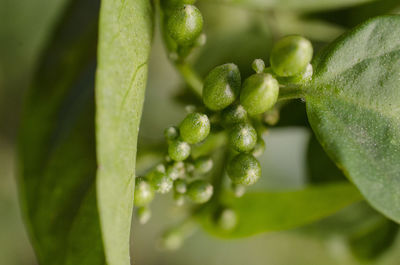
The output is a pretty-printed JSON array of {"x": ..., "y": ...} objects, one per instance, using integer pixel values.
[
  {"x": 178, "y": 150},
  {"x": 259, "y": 148},
  {"x": 180, "y": 186},
  {"x": 171, "y": 133},
  {"x": 221, "y": 86},
  {"x": 143, "y": 214},
  {"x": 194, "y": 128},
  {"x": 185, "y": 24},
  {"x": 291, "y": 55},
  {"x": 259, "y": 93},
  {"x": 244, "y": 169},
  {"x": 203, "y": 164},
  {"x": 160, "y": 181},
  {"x": 232, "y": 115},
  {"x": 243, "y": 137},
  {"x": 200, "y": 191},
  {"x": 144, "y": 193},
  {"x": 258, "y": 65},
  {"x": 226, "y": 219}
]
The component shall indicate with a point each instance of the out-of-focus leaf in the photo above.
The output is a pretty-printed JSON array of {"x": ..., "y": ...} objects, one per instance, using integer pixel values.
[
  {"x": 303, "y": 5},
  {"x": 25, "y": 27},
  {"x": 272, "y": 211},
  {"x": 57, "y": 162},
  {"x": 353, "y": 106},
  {"x": 321, "y": 169},
  {"x": 373, "y": 239},
  {"x": 350, "y": 17},
  {"x": 124, "y": 45}
]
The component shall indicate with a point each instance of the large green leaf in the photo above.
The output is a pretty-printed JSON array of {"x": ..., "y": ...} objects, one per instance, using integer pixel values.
[
  {"x": 353, "y": 105},
  {"x": 124, "y": 46},
  {"x": 57, "y": 162},
  {"x": 272, "y": 211},
  {"x": 303, "y": 5}
]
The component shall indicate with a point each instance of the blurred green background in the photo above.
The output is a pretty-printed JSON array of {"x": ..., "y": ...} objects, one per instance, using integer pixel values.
[{"x": 235, "y": 33}]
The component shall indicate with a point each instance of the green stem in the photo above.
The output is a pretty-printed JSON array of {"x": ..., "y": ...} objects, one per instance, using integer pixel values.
[
  {"x": 191, "y": 77},
  {"x": 290, "y": 92}
]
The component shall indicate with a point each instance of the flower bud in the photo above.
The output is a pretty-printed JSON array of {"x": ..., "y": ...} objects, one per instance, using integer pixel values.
[
  {"x": 291, "y": 55},
  {"x": 259, "y": 93},
  {"x": 221, "y": 86}
]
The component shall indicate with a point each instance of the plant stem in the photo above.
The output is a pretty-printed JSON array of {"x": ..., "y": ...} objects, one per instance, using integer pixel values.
[
  {"x": 290, "y": 92},
  {"x": 191, "y": 77}
]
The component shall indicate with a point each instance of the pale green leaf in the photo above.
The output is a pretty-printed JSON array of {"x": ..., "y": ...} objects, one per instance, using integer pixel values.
[
  {"x": 124, "y": 46},
  {"x": 272, "y": 211},
  {"x": 353, "y": 105}
]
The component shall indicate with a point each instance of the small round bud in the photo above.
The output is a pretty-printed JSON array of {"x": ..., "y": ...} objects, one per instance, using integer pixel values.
[
  {"x": 194, "y": 128},
  {"x": 258, "y": 66},
  {"x": 200, "y": 191},
  {"x": 203, "y": 164},
  {"x": 176, "y": 170},
  {"x": 221, "y": 86},
  {"x": 271, "y": 117},
  {"x": 179, "y": 198},
  {"x": 189, "y": 167},
  {"x": 259, "y": 93},
  {"x": 201, "y": 40},
  {"x": 172, "y": 239},
  {"x": 180, "y": 186},
  {"x": 291, "y": 55},
  {"x": 243, "y": 137},
  {"x": 178, "y": 150},
  {"x": 143, "y": 214},
  {"x": 226, "y": 219},
  {"x": 160, "y": 181},
  {"x": 259, "y": 148},
  {"x": 238, "y": 190},
  {"x": 244, "y": 169},
  {"x": 233, "y": 114},
  {"x": 185, "y": 24},
  {"x": 171, "y": 133},
  {"x": 144, "y": 193}
]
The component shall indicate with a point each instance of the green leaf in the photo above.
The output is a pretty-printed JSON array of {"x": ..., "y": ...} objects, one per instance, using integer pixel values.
[
  {"x": 373, "y": 239},
  {"x": 124, "y": 45},
  {"x": 304, "y": 5},
  {"x": 57, "y": 162},
  {"x": 353, "y": 105},
  {"x": 272, "y": 211}
]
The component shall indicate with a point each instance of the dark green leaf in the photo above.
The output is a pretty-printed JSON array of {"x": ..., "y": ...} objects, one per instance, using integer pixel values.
[
  {"x": 352, "y": 16},
  {"x": 124, "y": 45},
  {"x": 272, "y": 211},
  {"x": 57, "y": 148},
  {"x": 353, "y": 105}
]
